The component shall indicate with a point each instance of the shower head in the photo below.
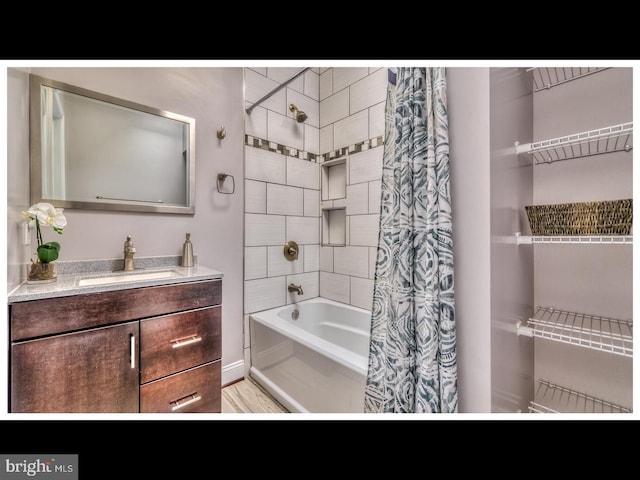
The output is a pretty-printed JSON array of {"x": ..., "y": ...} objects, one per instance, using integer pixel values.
[{"x": 299, "y": 114}]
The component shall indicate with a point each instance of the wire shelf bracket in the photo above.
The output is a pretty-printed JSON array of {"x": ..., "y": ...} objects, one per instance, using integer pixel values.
[
  {"x": 588, "y": 331},
  {"x": 545, "y": 78},
  {"x": 551, "y": 398},
  {"x": 614, "y": 138}
]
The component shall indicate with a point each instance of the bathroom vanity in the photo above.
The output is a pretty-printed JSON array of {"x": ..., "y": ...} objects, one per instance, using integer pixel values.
[{"x": 151, "y": 345}]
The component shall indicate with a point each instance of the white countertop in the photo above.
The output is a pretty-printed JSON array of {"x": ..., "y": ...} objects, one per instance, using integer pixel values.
[{"x": 67, "y": 284}]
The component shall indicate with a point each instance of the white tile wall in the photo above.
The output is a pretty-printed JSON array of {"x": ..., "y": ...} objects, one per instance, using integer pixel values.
[
  {"x": 312, "y": 84},
  {"x": 311, "y": 257},
  {"x": 255, "y": 262},
  {"x": 334, "y": 108},
  {"x": 256, "y": 123},
  {"x": 264, "y": 293},
  {"x": 376, "y": 120},
  {"x": 308, "y": 105},
  {"x": 264, "y": 165},
  {"x": 351, "y": 130},
  {"x": 302, "y": 173},
  {"x": 335, "y": 287},
  {"x": 345, "y": 107},
  {"x": 311, "y": 203},
  {"x": 344, "y": 77},
  {"x": 277, "y": 264},
  {"x": 364, "y": 230},
  {"x": 284, "y": 200},
  {"x": 255, "y": 196},
  {"x": 326, "y": 138},
  {"x": 365, "y": 166},
  {"x": 373, "y": 257},
  {"x": 358, "y": 199},
  {"x": 362, "y": 292},
  {"x": 374, "y": 196},
  {"x": 352, "y": 261},
  {"x": 326, "y": 84},
  {"x": 263, "y": 229},
  {"x": 303, "y": 230},
  {"x": 257, "y": 86},
  {"x": 285, "y": 130},
  {"x": 369, "y": 91},
  {"x": 326, "y": 259},
  {"x": 311, "y": 139},
  {"x": 282, "y": 74},
  {"x": 310, "y": 284},
  {"x": 261, "y": 70}
]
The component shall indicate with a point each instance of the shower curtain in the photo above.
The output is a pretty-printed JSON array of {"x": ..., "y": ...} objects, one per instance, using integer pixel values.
[{"x": 412, "y": 354}]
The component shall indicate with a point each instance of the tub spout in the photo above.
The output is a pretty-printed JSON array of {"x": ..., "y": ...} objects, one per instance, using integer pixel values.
[{"x": 295, "y": 288}]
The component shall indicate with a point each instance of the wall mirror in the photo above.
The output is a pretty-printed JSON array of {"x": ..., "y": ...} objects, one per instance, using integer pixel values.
[{"x": 94, "y": 151}]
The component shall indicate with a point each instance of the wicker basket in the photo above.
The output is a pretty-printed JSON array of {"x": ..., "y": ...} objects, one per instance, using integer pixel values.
[{"x": 610, "y": 217}]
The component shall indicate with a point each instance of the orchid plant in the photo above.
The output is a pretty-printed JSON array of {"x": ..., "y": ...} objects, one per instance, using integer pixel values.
[{"x": 46, "y": 214}]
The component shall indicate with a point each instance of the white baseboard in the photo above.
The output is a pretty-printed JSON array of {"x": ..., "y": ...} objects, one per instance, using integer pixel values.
[{"x": 233, "y": 372}]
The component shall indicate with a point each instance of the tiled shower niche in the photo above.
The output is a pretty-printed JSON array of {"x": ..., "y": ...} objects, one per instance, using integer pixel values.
[{"x": 333, "y": 202}]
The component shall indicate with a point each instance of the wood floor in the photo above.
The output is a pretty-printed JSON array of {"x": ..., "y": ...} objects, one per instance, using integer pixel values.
[{"x": 246, "y": 396}]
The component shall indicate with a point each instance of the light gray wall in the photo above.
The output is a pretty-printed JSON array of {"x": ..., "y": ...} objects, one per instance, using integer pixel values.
[
  {"x": 214, "y": 97},
  {"x": 469, "y": 152},
  {"x": 511, "y": 265}
]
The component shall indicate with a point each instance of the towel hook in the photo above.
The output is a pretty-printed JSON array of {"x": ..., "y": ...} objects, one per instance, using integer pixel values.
[{"x": 221, "y": 178}]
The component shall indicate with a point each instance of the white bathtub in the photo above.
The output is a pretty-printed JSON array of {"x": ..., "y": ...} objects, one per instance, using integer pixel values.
[{"x": 316, "y": 363}]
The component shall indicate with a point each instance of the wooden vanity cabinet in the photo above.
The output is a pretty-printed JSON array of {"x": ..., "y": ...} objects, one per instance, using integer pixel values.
[{"x": 146, "y": 349}]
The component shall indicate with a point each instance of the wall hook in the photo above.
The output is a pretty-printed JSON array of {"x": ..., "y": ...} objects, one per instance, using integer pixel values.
[{"x": 221, "y": 133}]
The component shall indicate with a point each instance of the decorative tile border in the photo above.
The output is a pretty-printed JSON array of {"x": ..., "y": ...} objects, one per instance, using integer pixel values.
[
  {"x": 358, "y": 147},
  {"x": 312, "y": 157}
]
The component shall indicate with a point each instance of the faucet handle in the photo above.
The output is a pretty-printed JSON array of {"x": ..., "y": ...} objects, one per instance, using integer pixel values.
[{"x": 291, "y": 250}]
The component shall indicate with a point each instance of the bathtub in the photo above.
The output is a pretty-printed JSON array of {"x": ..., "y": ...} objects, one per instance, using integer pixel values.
[{"x": 315, "y": 363}]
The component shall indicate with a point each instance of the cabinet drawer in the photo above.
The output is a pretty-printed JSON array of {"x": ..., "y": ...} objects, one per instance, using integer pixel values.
[
  {"x": 176, "y": 342},
  {"x": 56, "y": 315},
  {"x": 194, "y": 391}
]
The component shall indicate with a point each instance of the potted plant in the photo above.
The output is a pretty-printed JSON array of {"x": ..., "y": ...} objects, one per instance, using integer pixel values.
[{"x": 42, "y": 268}]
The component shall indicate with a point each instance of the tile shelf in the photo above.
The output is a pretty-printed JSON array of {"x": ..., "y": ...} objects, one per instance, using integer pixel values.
[{"x": 333, "y": 202}]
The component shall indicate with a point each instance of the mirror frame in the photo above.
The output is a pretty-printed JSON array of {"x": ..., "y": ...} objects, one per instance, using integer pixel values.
[{"x": 35, "y": 147}]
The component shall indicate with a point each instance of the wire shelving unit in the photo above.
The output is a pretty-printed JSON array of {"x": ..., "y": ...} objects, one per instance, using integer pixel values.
[
  {"x": 551, "y": 398},
  {"x": 614, "y": 138},
  {"x": 588, "y": 331},
  {"x": 548, "y": 77},
  {"x": 575, "y": 240}
]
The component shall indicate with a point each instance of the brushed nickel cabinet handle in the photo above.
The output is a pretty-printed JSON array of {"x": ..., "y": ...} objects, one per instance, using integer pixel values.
[
  {"x": 186, "y": 400},
  {"x": 133, "y": 351},
  {"x": 184, "y": 341}
]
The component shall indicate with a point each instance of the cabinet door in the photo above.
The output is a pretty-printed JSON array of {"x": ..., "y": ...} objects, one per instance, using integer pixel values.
[{"x": 91, "y": 371}]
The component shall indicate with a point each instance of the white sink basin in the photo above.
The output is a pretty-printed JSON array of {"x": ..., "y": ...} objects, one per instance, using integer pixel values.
[{"x": 128, "y": 277}]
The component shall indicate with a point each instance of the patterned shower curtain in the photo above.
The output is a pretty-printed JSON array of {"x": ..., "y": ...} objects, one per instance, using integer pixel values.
[{"x": 412, "y": 354}]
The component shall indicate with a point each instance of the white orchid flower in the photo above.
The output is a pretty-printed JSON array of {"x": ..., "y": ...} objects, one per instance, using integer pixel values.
[{"x": 47, "y": 214}]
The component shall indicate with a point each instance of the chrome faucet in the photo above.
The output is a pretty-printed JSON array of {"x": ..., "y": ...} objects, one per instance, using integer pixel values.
[
  {"x": 129, "y": 250},
  {"x": 295, "y": 288}
]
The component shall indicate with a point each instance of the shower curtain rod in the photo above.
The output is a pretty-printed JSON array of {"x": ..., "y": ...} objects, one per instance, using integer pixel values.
[{"x": 249, "y": 109}]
